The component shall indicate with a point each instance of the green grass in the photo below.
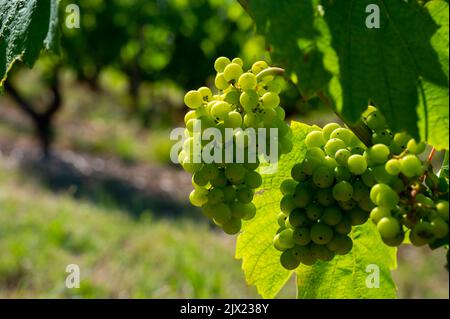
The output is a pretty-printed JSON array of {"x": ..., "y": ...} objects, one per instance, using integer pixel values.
[{"x": 41, "y": 233}]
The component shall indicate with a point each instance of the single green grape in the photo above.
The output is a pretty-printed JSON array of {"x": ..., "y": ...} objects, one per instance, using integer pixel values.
[
  {"x": 220, "y": 82},
  {"x": 221, "y": 63},
  {"x": 343, "y": 134},
  {"x": 410, "y": 166},
  {"x": 328, "y": 129},
  {"x": 314, "y": 139},
  {"x": 321, "y": 233},
  {"x": 249, "y": 100},
  {"x": 378, "y": 153},
  {"x": 233, "y": 120},
  {"x": 197, "y": 198},
  {"x": 388, "y": 227},
  {"x": 270, "y": 100},
  {"x": 302, "y": 196},
  {"x": 247, "y": 81},
  {"x": 393, "y": 167},
  {"x": 287, "y": 204},
  {"x": 331, "y": 215},
  {"x": 232, "y": 226},
  {"x": 253, "y": 179},
  {"x": 193, "y": 99},
  {"x": 323, "y": 177},
  {"x": 342, "y": 156},
  {"x": 340, "y": 244},
  {"x": 232, "y": 72},
  {"x": 378, "y": 213},
  {"x": 258, "y": 66},
  {"x": 288, "y": 260},
  {"x": 358, "y": 216},
  {"x": 333, "y": 145},
  {"x": 342, "y": 191},
  {"x": 357, "y": 164},
  {"x": 244, "y": 195},
  {"x": 221, "y": 213},
  {"x": 325, "y": 197},
  {"x": 314, "y": 212},
  {"x": 301, "y": 236},
  {"x": 376, "y": 120}
]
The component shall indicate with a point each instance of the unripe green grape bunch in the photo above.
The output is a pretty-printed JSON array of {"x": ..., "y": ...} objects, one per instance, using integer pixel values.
[
  {"x": 240, "y": 100},
  {"x": 410, "y": 199},
  {"x": 324, "y": 199}
]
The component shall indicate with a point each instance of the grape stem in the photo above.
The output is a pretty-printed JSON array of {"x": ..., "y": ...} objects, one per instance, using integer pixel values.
[
  {"x": 359, "y": 128},
  {"x": 270, "y": 71},
  {"x": 432, "y": 152}
]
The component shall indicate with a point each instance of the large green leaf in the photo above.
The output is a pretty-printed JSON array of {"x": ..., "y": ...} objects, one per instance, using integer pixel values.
[
  {"x": 25, "y": 28},
  {"x": 402, "y": 66},
  {"x": 345, "y": 276},
  {"x": 260, "y": 260}
]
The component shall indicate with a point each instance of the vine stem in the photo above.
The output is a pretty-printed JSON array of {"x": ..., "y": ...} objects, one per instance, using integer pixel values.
[{"x": 270, "y": 71}]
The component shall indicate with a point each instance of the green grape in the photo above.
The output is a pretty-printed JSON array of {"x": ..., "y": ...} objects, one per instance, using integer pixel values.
[
  {"x": 215, "y": 196},
  {"x": 235, "y": 173},
  {"x": 286, "y": 238},
  {"x": 342, "y": 156},
  {"x": 357, "y": 164},
  {"x": 297, "y": 173},
  {"x": 333, "y": 145},
  {"x": 343, "y": 134},
  {"x": 232, "y": 72},
  {"x": 251, "y": 120},
  {"x": 281, "y": 114},
  {"x": 360, "y": 191},
  {"x": 221, "y": 213},
  {"x": 344, "y": 227},
  {"x": 393, "y": 167},
  {"x": 332, "y": 215},
  {"x": 342, "y": 191},
  {"x": 301, "y": 236},
  {"x": 205, "y": 93},
  {"x": 220, "y": 110},
  {"x": 414, "y": 147},
  {"x": 387, "y": 198},
  {"x": 439, "y": 227},
  {"x": 314, "y": 139},
  {"x": 221, "y": 63},
  {"x": 210, "y": 171},
  {"x": 376, "y": 120},
  {"x": 220, "y": 82},
  {"x": 396, "y": 241},
  {"x": 378, "y": 213},
  {"x": 381, "y": 175},
  {"x": 340, "y": 244},
  {"x": 357, "y": 150},
  {"x": 399, "y": 143},
  {"x": 258, "y": 66},
  {"x": 323, "y": 177},
  {"x": 288, "y": 186},
  {"x": 270, "y": 100},
  {"x": 325, "y": 197},
  {"x": 219, "y": 181},
  {"x": 347, "y": 205},
  {"x": 269, "y": 117},
  {"x": 388, "y": 227},
  {"x": 190, "y": 116},
  {"x": 424, "y": 200},
  {"x": 197, "y": 198},
  {"x": 443, "y": 209},
  {"x": 314, "y": 212},
  {"x": 298, "y": 218},
  {"x": 322, "y": 252},
  {"x": 321, "y": 233},
  {"x": 376, "y": 190},
  {"x": 249, "y": 100},
  {"x": 238, "y": 209},
  {"x": 244, "y": 195},
  {"x": 382, "y": 137},
  {"x": 288, "y": 260},
  {"x": 247, "y": 81},
  {"x": 232, "y": 97},
  {"x": 233, "y": 120},
  {"x": 229, "y": 194},
  {"x": 287, "y": 204},
  {"x": 358, "y": 216},
  {"x": 410, "y": 166},
  {"x": 232, "y": 226},
  {"x": 302, "y": 196},
  {"x": 368, "y": 178},
  {"x": 328, "y": 129},
  {"x": 378, "y": 153},
  {"x": 253, "y": 179},
  {"x": 199, "y": 178},
  {"x": 193, "y": 99},
  {"x": 238, "y": 61},
  {"x": 281, "y": 219},
  {"x": 330, "y": 162},
  {"x": 307, "y": 258}
]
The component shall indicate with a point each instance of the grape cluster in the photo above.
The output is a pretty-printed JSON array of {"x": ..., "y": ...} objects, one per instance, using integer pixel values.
[
  {"x": 324, "y": 199},
  {"x": 225, "y": 189},
  {"x": 408, "y": 196}
]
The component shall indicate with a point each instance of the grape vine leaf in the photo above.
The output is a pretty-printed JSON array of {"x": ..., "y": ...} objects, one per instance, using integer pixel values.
[
  {"x": 26, "y": 27},
  {"x": 402, "y": 66},
  {"x": 260, "y": 260},
  {"x": 355, "y": 275}
]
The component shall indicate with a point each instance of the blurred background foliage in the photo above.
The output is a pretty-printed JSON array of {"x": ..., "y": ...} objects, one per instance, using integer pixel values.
[{"x": 106, "y": 196}]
